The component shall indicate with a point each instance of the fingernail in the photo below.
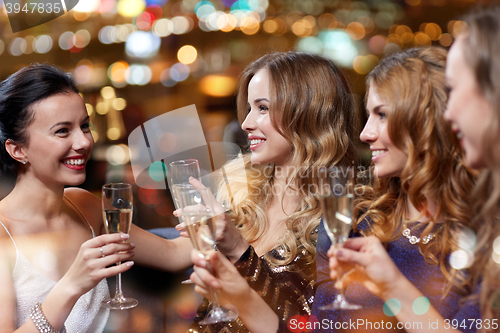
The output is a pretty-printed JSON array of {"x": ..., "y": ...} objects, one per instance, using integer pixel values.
[
  {"x": 191, "y": 177},
  {"x": 215, "y": 284},
  {"x": 339, "y": 254},
  {"x": 125, "y": 236},
  {"x": 130, "y": 263},
  {"x": 132, "y": 245},
  {"x": 201, "y": 256}
]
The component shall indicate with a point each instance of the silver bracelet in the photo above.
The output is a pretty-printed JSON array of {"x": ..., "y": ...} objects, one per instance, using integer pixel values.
[{"x": 41, "y": 323}]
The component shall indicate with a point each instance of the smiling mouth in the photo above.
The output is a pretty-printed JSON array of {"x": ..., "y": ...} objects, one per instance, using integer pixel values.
[
  {"x": 378, "y": 152},
  {"x": 75, "y": 162},
  {"x": 256, "y": 141}
]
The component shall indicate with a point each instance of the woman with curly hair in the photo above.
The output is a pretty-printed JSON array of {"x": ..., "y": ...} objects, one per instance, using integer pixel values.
[
  {"x": 298, "y": 111},
  {"x": 416, "y": 205}
]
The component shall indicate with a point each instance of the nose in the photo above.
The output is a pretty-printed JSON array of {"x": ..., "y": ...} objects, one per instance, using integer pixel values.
[
  {"x": 249, "y": 123},
  {"x": 83, "y": 141},
  {"x": 369, "y": 133}
]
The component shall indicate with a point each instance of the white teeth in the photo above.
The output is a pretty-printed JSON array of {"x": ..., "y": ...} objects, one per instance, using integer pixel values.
[
  {"x": 256, "y": 141},
  {"x": 75, "y": 162},
  {"x": 377, "y": 152}
]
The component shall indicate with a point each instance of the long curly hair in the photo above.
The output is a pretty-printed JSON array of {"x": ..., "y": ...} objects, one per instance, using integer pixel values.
[
  {"x": 311, "y": 105},
  {"x": 412, "y": 85},
  {"x": 481, "y": 48}
]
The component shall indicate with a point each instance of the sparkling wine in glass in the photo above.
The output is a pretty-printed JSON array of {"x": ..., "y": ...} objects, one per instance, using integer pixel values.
[
  {"x": 198, "y": 213},
  {"x": 179, "y": 173},
  {"x": 337, "y": 206},
  {"x": 117, "y": 206}
]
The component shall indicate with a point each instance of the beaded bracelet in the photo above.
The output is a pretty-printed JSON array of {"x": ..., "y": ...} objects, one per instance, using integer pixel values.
[{"x": 41, "y": 323}]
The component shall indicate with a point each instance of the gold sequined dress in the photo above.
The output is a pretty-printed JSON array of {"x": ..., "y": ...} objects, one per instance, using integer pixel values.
[{"x": 288, "y": 289}]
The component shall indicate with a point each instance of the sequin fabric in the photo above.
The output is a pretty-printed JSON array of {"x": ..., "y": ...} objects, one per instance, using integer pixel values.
[
  {"x": 288, "y": 289},
  {"x": 375, "y": 315}
]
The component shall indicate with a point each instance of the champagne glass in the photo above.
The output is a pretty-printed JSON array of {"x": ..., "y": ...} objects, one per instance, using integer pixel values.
[
  {"x": 117, "y": 206},
  {"x": 198, "y": 214},
  {"x": 337, "y": 205},
  {"x": 179, "y": 173}
]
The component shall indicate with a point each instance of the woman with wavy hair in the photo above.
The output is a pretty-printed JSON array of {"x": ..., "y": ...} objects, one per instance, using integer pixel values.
[
  {"x": 417, "y": 203},
  {"x": 298, "y": 111}
]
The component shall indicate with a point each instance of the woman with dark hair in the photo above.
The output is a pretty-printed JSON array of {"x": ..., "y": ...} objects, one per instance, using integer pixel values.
[
  {"x": 54, "y": 253},
  {"x": 298, "y": 112},
  {"x": 414, "y": 210}
]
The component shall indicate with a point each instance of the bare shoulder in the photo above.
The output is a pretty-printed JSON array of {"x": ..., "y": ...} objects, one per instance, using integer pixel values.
[{"x": 88, "y": 204}]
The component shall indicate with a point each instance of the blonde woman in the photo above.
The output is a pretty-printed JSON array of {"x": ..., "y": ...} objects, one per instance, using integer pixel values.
[{"x": 298, "y": 112}]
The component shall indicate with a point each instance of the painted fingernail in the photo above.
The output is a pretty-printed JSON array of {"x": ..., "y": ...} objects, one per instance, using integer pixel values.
[
  {"x": 130, "y": 263},
  {"x": 132, "y": 245},
  {"x": 125, "y": 236},
  {"x": 339, "y": 254}
]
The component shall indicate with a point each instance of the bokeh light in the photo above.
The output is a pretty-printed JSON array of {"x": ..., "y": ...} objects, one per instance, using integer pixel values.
[
  {"x": 142, "y": 44},
  {"x": 218, "y": 85},
  {"x": 187, "y": 54},
  {"x": 130, "y": 8}
]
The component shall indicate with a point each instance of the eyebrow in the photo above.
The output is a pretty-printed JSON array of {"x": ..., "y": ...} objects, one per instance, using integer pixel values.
[
  {"x": 261, "y": 99},
  {"x": 67, "y": 123},
  {"x": 375, "y": 109}
]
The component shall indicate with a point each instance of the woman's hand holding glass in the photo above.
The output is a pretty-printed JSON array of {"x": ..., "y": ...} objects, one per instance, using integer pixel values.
[
  {"x": 199, "y": 214},
  {"x": 228, "y": 238},
  {"x": 95, "y": 261},
  {"x": 371, "y": 265}
]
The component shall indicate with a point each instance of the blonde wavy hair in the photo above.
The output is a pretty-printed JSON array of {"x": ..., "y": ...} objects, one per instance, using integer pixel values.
[
  {"x": 311, "y": 105},
  {"x": 481, "y": 49},
  {"x": 412, "y": 85}
]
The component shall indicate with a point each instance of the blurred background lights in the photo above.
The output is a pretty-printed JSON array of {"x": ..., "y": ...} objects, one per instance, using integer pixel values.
[
  {"x": 166, "y": 80},
  {"x": 187, "y": 54},
  {"x": 87, "y": 6},
  {"x": 66, "y": 40},
  {"x": 130, "y": 8},
  {"x": 218, "y": 85},
  {"x": 142, "y": 44},
  {"x": 181, "y": 24},
  {"x": 157, "y": 171},
  {"x": 144, "y": 21},
  {"x": 138, "y": 75},
  {"x": 203, "y": 9},
  {"x": 83, "y": 72},
  {"x": 107, "y": 35},
  {"x": 312, "y": 44},
  {"x": 113, "y": 133},
  {"x": 117, "y": 71},
  {"x": 108, "y": 92},
  {"x": 461, "y": 259},
  {"x": 42, "y": 44},
  {"x": 102, "y": 108},
  {"x": 163, "y": 27},
  {"x": 119, "y": 104},
  {"x": 17, "y": 46},
  {"x": 179, "y": 72},
  {"x": 117, "y": 154},
  {"x": 167, "y": 142},
  {"x": 338, "y": 46}
]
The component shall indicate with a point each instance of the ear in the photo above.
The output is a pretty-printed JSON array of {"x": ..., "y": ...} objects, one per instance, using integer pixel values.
[{"x": 15, "y": 150}]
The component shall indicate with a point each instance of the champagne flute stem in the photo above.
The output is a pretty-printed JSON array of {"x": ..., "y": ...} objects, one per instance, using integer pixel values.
[
  {"x": 118, "y": 291},
  {"x": 215, "y": 302}
]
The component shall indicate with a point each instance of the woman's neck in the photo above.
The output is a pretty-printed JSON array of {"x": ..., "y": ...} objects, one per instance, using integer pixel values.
[
  {"x": 418, "y": 215},
  {"x": 32, "y": 199}
]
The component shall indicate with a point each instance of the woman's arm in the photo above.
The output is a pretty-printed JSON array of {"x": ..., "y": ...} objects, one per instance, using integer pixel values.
[
  {"x": 378, "y": 273},
  {"x": 150, "y": 250}
]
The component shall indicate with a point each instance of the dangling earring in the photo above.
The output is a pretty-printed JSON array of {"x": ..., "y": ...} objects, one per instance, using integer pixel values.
[{"x": 24, "y": 162}]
